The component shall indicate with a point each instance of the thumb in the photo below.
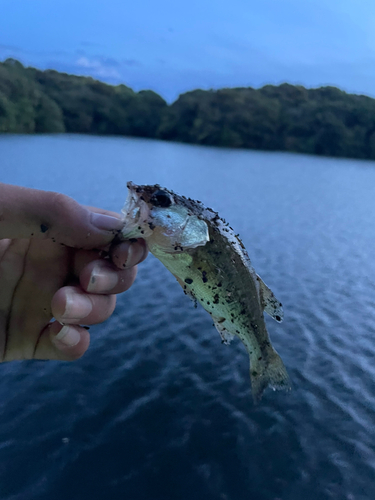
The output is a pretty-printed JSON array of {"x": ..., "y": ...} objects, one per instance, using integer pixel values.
[{"x": 32, "y": 213}]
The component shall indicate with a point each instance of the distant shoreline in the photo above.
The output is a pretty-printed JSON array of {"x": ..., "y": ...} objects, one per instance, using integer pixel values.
[{"x": 285, "y": 118}]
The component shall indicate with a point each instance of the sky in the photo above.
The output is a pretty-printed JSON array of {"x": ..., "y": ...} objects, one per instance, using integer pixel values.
[{"x": 172, "y": 46}]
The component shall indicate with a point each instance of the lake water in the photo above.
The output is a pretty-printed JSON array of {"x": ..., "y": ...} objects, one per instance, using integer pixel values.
[{"x": 158, "y": 408}]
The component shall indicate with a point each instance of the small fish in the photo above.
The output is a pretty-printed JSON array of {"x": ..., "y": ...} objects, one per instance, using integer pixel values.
[{"x": 211, "y": 264}]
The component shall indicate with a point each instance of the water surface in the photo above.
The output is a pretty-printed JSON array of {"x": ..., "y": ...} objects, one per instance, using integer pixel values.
[{"x": 158, "y": 408}]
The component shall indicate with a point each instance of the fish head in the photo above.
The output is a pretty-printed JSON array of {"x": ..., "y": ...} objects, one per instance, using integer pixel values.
[{"x": 168, "y": 222}]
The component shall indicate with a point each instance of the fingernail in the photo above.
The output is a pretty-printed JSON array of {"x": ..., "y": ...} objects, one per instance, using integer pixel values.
[
  {"x": 130, "y": 257},
  {"x": 77, "y": 306},
  {"x": 136, "y": 253},
  {"x": 68, "y": 336},
  {"x": 106, "y": 222},
  {"x": 102, "y": 280}
]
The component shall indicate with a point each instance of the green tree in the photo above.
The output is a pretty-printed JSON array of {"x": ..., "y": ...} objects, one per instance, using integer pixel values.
[{"x": 323, "y": 121}]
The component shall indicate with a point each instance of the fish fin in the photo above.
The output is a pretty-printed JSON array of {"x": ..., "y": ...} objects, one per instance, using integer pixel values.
[
  {"x": 226, "y": 337},
  {"x": 268, "y": 371},
  {"x": 271, "y": 305}
]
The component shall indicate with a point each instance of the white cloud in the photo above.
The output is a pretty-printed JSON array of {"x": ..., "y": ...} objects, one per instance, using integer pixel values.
[{"x": 97, "y": 67}]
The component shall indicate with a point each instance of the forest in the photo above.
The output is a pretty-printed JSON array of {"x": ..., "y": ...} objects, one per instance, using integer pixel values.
[{"x": 323, "y": 121}]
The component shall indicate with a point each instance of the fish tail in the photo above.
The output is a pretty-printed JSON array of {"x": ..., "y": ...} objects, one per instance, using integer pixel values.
[{"x": 268, "y": 371}]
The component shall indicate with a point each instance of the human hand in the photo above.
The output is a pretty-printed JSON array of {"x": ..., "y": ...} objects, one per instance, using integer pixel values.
[{"x": 57, "y": 261}]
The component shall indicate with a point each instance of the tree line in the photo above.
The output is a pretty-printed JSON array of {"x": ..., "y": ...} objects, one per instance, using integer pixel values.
[{"x": 323, "y": 121}]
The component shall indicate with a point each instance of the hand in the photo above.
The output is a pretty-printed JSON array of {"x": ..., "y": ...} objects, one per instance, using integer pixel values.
[{"x": 57, "y": 261}]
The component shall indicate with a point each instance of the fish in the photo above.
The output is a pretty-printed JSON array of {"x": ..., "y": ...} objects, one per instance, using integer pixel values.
[{"x": 212, "y": 266}]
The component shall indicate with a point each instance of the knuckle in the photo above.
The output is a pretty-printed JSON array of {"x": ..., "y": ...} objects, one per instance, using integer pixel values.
[{"x": 60, "y": 203}]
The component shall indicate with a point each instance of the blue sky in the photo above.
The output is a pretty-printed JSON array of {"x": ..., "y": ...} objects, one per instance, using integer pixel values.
[{"x": 172, "y": 46}]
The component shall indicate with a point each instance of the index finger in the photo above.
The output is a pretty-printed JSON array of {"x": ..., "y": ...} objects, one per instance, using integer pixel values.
[{"x": 32, "y": 213}]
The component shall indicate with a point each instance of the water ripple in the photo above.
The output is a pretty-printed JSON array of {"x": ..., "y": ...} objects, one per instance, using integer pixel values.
[{"x": 159, "y": 408}]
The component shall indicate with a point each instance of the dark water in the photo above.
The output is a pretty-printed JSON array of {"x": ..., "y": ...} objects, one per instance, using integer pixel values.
[{"x": 158, "y": 408}]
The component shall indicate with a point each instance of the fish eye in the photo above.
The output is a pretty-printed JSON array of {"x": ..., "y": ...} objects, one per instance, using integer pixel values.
[{"x": 161, "y": 199}]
